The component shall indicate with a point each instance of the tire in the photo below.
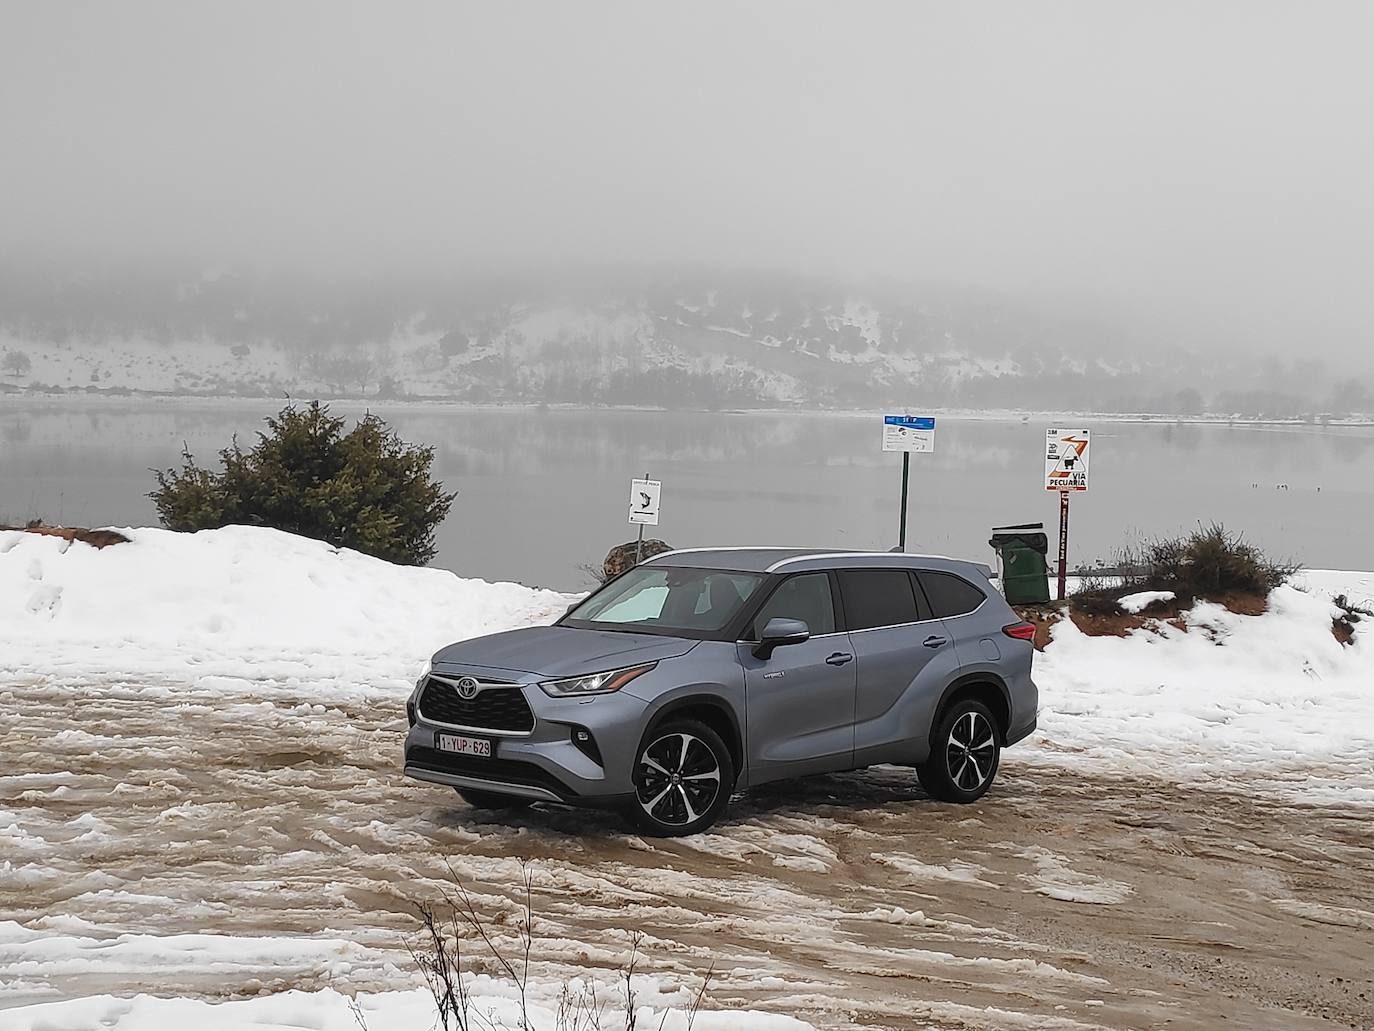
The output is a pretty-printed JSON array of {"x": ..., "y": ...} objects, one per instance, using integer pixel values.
[
  {"x": 683, "y": 776},
  {"x": 965, "y": 752},
  {"x": 492, "y": 800}
]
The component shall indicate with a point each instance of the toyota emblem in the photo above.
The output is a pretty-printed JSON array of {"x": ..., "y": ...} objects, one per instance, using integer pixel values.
[{"x": 468, "y": 688}]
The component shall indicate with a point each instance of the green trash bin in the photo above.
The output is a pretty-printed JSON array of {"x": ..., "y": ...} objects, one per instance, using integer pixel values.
[{"x": 1023, "y": 571}]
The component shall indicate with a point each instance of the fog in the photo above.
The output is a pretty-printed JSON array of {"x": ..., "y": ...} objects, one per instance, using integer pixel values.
[{"x": 1204, "y": 167}]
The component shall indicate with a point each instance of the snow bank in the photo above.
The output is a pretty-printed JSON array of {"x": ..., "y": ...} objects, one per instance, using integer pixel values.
[
  {"x": 241, "y": 601},
  {"x": 1251, "y": 701},
  {"x": 1136, "y": 603}
]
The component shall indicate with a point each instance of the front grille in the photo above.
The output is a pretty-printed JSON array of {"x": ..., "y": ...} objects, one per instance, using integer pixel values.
[
  {"x": 502, "y": 771},
  {"x": 495, "y": 708}
]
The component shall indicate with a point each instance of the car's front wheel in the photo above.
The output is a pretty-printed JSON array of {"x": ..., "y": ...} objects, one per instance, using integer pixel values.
[
  {"x": 964, "y": 753},
  {"x": 683, "y": 778}
]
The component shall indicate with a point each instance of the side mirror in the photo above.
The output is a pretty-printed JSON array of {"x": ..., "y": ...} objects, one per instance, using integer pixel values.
[{"x": 780, "y": 632}]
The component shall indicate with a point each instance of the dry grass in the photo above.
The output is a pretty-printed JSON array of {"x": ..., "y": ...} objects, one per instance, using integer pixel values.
[
  {"x": 454, "y": 938},
  {"x": 1352, "y": 613},
  {"x": 95, "y": 538}
]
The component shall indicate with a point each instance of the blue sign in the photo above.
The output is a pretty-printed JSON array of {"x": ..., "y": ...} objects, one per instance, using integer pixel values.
[{"x": 911, "y": 422}]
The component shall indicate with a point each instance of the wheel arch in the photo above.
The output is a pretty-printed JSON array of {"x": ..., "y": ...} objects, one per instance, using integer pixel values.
[
  {"x": 988, "y": 688},
  {"x": 715, "y": 713}
]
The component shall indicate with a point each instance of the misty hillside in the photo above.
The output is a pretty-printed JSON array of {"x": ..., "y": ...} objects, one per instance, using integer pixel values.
[{"x": 682, "y": 342}]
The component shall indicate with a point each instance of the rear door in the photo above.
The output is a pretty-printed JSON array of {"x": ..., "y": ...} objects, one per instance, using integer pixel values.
[
  {"x": 905, "y": 658},
  {"x": 955, "y": 600},
  {"x": 800, "y": 701}
]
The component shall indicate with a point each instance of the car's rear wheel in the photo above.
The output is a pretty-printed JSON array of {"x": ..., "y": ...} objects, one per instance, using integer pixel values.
[
  {"x": 492, "y": 799},
  {"x": 964, "y": 754},
  {"x": 683, "y": 777}
]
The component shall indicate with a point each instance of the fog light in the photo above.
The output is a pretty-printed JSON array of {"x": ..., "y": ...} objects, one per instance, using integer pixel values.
[{"x": 586, "y": 744}]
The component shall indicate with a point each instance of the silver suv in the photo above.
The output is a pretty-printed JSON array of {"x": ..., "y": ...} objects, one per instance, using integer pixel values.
[{"x": 700, "y": 673}]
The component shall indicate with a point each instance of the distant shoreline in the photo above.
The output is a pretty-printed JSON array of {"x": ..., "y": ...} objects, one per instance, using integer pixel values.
[{"x": 80, "y": 398}]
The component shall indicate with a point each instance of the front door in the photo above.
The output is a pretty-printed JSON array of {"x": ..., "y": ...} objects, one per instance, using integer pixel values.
[{"x": 800, "y": 701}]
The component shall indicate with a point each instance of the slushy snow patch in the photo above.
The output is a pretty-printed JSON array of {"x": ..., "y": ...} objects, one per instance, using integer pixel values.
[
  {"x": 248, "y": 962},
  {"x": 493, "y": 1006},
  {"x": 1137, "y": 603}
]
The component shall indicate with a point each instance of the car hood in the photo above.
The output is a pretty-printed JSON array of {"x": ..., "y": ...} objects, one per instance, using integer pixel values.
[{"x": 557, "y": 651}]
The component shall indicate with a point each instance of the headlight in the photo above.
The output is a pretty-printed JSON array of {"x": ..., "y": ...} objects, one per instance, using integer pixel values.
[{"x": 595, "y": 683}]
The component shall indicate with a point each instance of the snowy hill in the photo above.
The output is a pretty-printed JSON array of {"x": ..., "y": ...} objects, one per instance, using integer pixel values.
[{"x": 677, "y": 341}]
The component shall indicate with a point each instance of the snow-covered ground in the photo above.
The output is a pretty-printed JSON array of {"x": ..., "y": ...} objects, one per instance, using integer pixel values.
[{"x": 1270, "y": 704}]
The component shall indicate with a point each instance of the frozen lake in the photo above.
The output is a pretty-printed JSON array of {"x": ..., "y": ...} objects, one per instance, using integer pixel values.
[{"x": 544, "y": 492}]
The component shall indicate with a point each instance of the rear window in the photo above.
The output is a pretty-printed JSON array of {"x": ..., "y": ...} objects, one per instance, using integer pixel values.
[
  {"x": 877, "y": 597},
  {"x": 950, "y": 595}
]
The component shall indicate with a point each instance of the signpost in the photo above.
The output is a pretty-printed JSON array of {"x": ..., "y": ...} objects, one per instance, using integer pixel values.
[
  {"x": 1066, "y": 470},
  {"x": 907, "y": 433},
  {"x": 645, "y": 496}
]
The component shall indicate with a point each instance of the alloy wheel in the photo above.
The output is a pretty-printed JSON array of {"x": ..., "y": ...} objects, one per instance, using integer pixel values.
[
  {"x": 971, "y": 751},
  {"x": 677, "y": 779}
]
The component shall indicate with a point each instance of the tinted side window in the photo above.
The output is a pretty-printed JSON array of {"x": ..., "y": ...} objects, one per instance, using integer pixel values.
[
  {"x": 877, "y": 597},
  {"x": 950, "y": 595},
  {"x": 805, "y": 597}
]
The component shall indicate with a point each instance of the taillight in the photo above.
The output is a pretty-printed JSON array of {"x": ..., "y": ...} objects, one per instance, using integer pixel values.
[{"x": 1021, "y": 631}]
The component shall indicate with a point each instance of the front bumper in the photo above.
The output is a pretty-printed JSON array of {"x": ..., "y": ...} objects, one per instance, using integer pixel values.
[{"x": 543, "y": 764}]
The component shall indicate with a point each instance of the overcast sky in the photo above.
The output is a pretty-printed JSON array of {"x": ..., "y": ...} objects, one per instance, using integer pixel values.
[{"x": 1205, "y": 162}]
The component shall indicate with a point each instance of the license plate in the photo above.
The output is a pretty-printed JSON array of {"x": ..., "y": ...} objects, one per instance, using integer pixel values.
[{"x": 465, "y": 745}]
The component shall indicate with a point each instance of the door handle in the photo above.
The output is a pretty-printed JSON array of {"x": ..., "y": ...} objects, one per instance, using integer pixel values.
[
  {"x": 934, "y": 641},
  {"x": 839, "y": 659}
]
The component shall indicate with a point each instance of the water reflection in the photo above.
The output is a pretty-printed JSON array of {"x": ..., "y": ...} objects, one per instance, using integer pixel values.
[{"x": 542, "y": 492}]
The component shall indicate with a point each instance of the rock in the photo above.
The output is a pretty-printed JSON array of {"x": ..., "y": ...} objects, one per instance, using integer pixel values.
[{"x": 622, "y": 556}]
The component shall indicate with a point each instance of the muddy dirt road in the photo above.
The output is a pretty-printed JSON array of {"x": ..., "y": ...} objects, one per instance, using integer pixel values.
[{"x": 1063, "y": 900}]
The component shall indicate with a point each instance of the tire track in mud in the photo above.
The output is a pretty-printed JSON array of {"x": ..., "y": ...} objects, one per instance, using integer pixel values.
[{"x": 1062, "y": 900}]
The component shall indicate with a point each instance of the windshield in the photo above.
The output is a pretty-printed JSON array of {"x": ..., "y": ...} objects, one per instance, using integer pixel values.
[{"x": 668, "y": 600}]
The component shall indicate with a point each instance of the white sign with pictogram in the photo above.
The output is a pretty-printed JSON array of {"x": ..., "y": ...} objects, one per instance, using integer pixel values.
[
  {"x": 644, "y": 499},
  {"x": 1066, "y": 460}
]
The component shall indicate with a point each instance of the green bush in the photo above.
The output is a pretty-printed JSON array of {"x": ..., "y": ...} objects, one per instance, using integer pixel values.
[
  {"x": 365, "y": 489},
  {"x": 1210, "y": 561}
]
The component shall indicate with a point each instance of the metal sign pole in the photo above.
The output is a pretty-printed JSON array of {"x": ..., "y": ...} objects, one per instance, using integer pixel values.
[
  {"x": 1063, "y": 540},
  {"x": 906, "y": 476},
  {"x": 639, "y": 545}
]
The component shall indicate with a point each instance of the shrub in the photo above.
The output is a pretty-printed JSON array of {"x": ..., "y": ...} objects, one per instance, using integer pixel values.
[
  {"x": 1210, "y": 561},
  {"x": 365, "y": 489},
  {"x": 16, "y": 363},
  {"x": 1097, "y": 596}
]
